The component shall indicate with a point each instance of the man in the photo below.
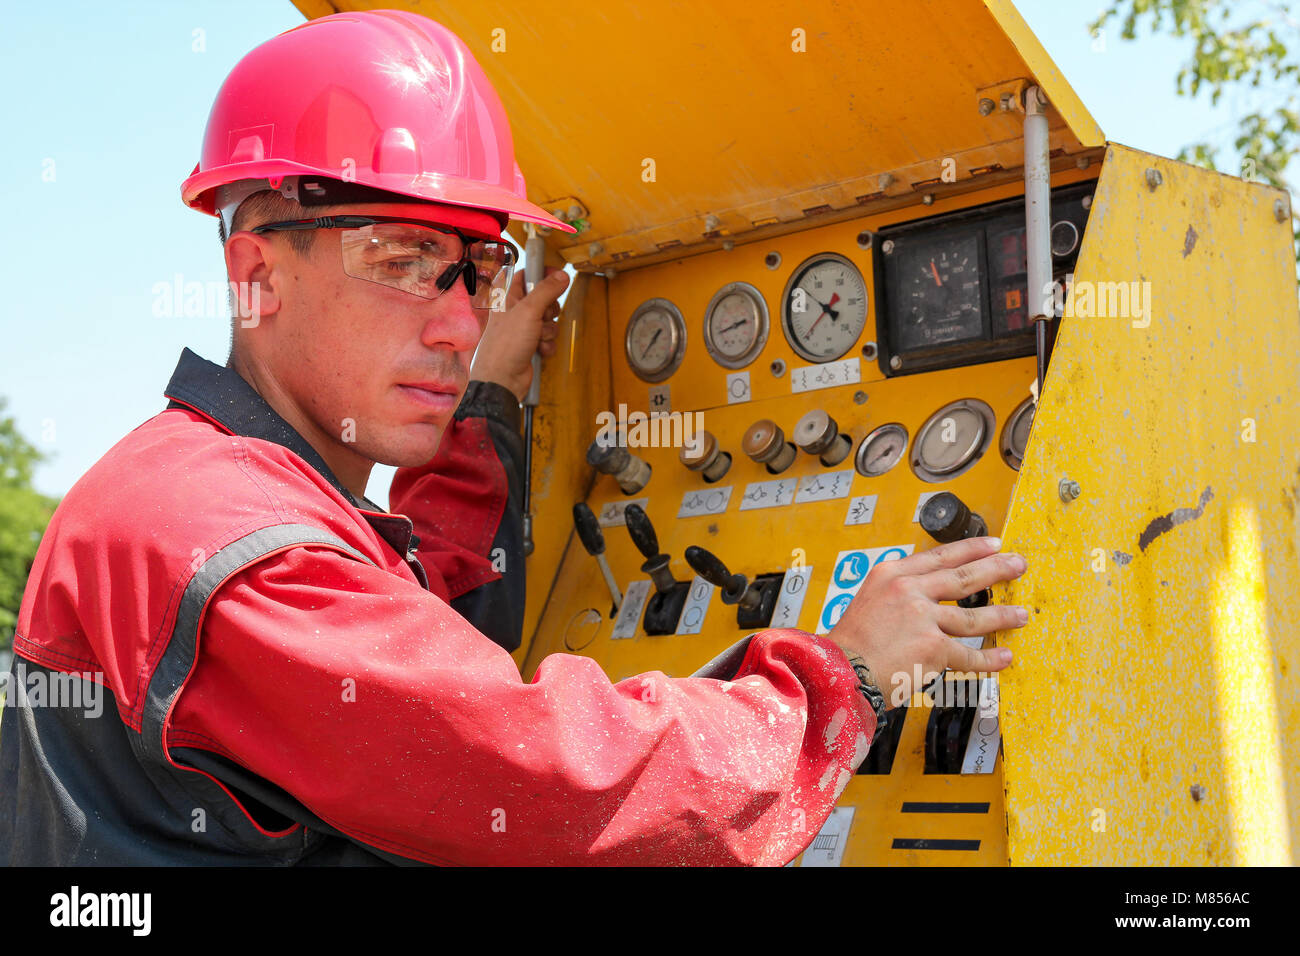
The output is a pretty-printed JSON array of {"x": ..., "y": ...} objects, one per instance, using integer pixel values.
[{"x": 298, "y": 678}]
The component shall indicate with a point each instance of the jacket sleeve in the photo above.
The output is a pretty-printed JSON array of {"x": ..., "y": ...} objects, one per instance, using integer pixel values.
[
  {"x": 466, "y": 505},
  {"x": 389, "y": 718}
]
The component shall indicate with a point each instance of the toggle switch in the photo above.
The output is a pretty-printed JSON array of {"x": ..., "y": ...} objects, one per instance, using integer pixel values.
[
  {"x": 817, "y": 434},
  {"x": 755, "y": 601},
  {"x": 765, "y": 443},
  {"x": 665, "y": 605},
  {"x": 588, "y": 528},
  {"x": 703, "y": 455},
  {"x": 627, "y": 469}
]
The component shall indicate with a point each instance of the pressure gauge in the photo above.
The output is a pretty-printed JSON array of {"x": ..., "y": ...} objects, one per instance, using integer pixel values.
[
  {"x": 656, "y": 340},
  {"x": 1015, "y": 433},
  {"x": 824, "y": 307},
  {"x": 952, "y": 440},
  {"x": 881, "y": 450},
  {"x": 735, "y": 325}
]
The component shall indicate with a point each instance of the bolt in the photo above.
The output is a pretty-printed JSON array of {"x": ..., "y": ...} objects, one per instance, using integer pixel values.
[
  {"x": 895, "y": 363},
  {"x": 884, "y": 181},
  {"x": 772, "y": 260},
  {"x": 711, "y": 222},
  {"x": 594, "y": 250},
  {"x": 1069, "y": 490},
  {"x": 869, "y": 351},
  {"x": 987, "y": 106},
  {"x": 1006, "y": 102},
  {"x": 887, "y": 246},
  {"x": 1198, "y": 792},
  {"x": 859, "y": 397},
  {"x": 864, "y": 240},
  {"x": 1083, "y": 162},
  {"x": 1154, "y": 178},
  {"x": 575, "y": 211},
  {"x": 1086, "y": 202},
  {"x": 928, "y": 199},
  {"x": 728, "y": 244},
  {"x": 1280, "y": 211},
  {"x": 778, "y": 368},
  {"x": 610, "y": 272}
]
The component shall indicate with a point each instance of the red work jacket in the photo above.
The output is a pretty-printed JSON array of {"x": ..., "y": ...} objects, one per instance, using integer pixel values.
[{"x": 281, "y": 682}]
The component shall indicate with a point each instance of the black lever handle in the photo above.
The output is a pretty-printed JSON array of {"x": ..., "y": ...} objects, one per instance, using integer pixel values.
[
  {"x": 641, "y": 530},
  {"x": 588, "y": 528},
  {"x": 710, "y": 567}
]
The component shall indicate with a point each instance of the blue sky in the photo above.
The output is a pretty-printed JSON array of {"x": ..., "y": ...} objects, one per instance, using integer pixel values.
[{"x": 104, "y": 108}]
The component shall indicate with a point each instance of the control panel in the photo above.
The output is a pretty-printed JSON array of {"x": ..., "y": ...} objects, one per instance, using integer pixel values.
[{"x": 786, "y": 415}]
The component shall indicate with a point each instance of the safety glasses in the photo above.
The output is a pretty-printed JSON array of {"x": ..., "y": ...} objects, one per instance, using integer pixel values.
[{"x": 417, "y": 257}]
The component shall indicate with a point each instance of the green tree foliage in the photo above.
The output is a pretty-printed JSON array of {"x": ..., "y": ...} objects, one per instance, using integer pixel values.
[
  {"x": 24, "y": 513},
  {"x": 1236, "y": 45}
]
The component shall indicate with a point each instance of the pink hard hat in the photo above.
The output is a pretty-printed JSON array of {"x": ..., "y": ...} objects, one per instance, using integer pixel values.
[{"x": 357, "y": 102}]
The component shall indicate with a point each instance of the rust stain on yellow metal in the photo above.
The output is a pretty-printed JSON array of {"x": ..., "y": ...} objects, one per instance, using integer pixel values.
[{"x": 1150, "y": 716}]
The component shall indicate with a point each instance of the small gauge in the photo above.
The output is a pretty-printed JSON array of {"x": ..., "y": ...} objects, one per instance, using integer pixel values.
[
  {"x": 952, "y": 440},
  {"x": 881, "y": 450},
  {"x": 656, "y": 340},
  {"x": 1015, "y": 434},
  {"x": 824, "y": 307},
  {"x": 735, "y": 325},
  {"x": 1065, "y": 237}
]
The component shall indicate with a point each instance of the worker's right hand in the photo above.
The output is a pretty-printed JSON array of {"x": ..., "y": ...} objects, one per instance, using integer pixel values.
[{"x": 896, "y": 624}]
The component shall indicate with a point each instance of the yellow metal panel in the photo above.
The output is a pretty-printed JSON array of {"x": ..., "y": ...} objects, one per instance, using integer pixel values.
[
  {"x": 1152, "y": 714},
  {"x": 749, "y": 110}
]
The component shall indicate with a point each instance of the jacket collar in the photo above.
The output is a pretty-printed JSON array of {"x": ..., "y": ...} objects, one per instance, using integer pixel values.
[{"x": 222, "y": 395}]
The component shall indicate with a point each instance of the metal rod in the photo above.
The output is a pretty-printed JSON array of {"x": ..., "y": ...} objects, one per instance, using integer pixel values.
[
  {"x": 1038, "y": 222},
  {"x": 534, "y": 271}
]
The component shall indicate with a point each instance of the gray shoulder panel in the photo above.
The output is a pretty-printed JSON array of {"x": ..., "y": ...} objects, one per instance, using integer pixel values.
[{"x": 178, "y": 659}]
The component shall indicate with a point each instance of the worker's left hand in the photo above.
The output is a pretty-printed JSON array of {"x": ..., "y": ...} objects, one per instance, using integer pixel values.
[{"x": 525, "y": 327}]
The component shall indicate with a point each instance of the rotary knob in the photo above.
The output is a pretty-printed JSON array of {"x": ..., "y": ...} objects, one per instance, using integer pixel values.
[
  {"x": 765, "y": 443},
  {"x": 817, "y": 434},
  {"x": 704, "y": 455}
]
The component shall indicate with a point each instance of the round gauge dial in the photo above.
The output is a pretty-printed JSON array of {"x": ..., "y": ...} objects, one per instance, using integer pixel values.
[
  {"x": 952, "y": 440},
  {"x": 940, "y": 294},
  {"x": 656, "y": 340},
  {"x": 735, "y": 325},
  {"x": 1015, "y": 433},
  {"x": 881, "y": 450},
  {"x": 824, "y": 307}
]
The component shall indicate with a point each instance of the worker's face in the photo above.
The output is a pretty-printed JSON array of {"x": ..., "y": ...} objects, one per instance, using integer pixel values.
[{"x": 350, "y": 352}]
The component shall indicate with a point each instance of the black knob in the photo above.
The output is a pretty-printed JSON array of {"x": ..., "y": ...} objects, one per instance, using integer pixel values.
[
  {"x": 584, "y": 520},
  {"x": 946, "y": 518},
  {"x": 641, "y": 530},
  {"x": 710, "y": 567}
]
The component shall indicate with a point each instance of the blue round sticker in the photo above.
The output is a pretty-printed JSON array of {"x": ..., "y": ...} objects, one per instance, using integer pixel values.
[
  {"x": 853, "y": 567},
  {"x": 835, "y": 610}
]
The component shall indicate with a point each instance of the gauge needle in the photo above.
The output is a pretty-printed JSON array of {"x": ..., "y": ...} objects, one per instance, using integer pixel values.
[
  {"x": 653, "y": 339},
  {"x": 826, "y": 310},
  {"x": 736, "y": 326},
  {"x": 936, "y": 274}
]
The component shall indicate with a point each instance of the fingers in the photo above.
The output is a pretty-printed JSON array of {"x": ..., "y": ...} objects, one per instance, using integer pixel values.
[
  {"x": 974, "y": 621},
  {"x": 951, "y": 584},
  {"x": 963, "y": 658}
]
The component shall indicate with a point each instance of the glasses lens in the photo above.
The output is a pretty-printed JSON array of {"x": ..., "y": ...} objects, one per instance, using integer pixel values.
[{"x": 414, "y": 258}]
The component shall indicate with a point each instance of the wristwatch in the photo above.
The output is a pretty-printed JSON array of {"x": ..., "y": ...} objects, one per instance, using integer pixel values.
[{"x": 869, "y": 689}]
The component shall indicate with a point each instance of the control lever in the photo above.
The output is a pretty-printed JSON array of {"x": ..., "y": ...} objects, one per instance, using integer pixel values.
[
  {"x": 818, "y": 434},
  {"x": 755, "y": 602},
  {"x": 588, "y": 528},
  {"x": 947, "y": 518},
  {"x": 665, "y": 605}
]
